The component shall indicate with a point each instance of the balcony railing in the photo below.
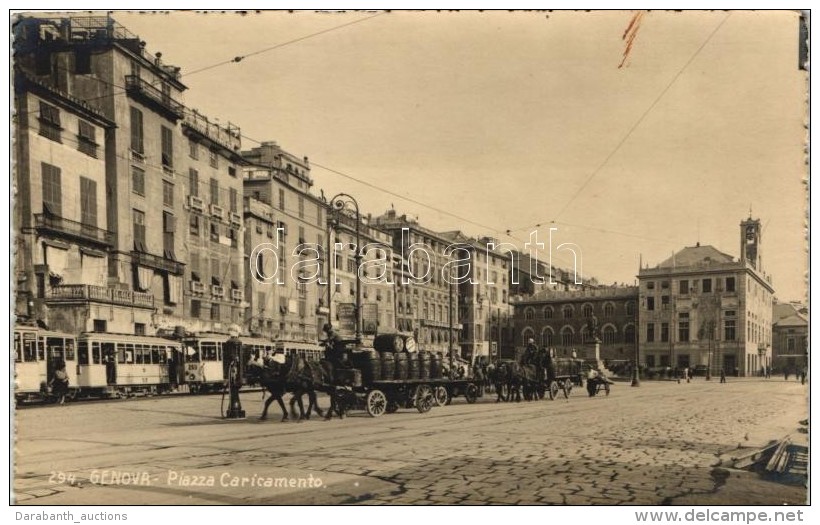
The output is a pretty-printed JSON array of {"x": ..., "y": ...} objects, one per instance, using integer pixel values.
[
  {"x": 102, "y": 294},
  {"x": 226, "y": 136},
  {"x": 59, "y": 226},
  {"x": 158, "y": 263},
  {"x": 148, "y": 93}
]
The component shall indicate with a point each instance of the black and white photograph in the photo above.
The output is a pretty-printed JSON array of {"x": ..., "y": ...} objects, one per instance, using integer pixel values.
[{"x": 410, "y": 257}]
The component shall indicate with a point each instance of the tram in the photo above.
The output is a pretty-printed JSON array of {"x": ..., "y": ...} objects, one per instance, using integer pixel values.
[{"x": 36, "y": 352}]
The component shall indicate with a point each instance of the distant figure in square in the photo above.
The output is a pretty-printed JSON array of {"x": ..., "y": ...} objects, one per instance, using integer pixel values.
[{"x": 722, "y": 375}]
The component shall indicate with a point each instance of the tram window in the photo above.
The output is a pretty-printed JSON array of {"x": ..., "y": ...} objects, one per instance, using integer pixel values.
[
  {"x": 129, "y": 352},
  {"x": 95, "y": 353},
  {"x": 209, "y": 352},
  {"x": 191, "y": 354},
  {"x": 109, "y": 350},
  {"x": 69, "y": 350},
  {"x": 41, "y": 350},
  {"x": 82, "y": 353},
  {"x": 30, "y": 350},
  {"x": 139, "y": 354},
  {"x": 18, "y": 351}
]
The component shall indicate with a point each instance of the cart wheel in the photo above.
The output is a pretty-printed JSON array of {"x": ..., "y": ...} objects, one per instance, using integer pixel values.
[
  {"x": 554, "y": 390},
  {"x": 606, "y": 387},
  {"x": 442, "y": 396},
  {"x": 376, "y": 403},
  {"x": 567, "y": 387},
  {"x": 424, "y": 398},
  {"x": 392, "y": 407},
  {"x": 471, "y": 394}
]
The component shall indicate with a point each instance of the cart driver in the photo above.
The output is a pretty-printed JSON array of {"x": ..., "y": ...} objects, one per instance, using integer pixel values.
[
  {"x": 335, "y": 349},
  {"x": 531, "y": 353}
]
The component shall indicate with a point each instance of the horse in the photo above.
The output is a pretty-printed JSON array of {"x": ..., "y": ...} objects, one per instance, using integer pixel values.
[
  {"x": 312, "y": 377},
  {"x": 278, "y": 379}
]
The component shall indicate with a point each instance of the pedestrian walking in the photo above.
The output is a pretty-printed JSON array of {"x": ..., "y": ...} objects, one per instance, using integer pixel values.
[
  {"x": 59, "y": 382},
  {"x": 787, "y": 374},
  {"x": 722, "y": 375},
  {"x": 803, "y": 373}
]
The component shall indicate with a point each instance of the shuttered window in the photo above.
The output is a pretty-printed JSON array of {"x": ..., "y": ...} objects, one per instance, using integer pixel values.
[{"x": 52, "y": 190}]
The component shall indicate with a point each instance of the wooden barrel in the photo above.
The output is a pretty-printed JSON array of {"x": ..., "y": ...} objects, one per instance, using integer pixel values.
[
  {"x": 436, "y": 370},
  {"x": 410, "y": 344},
  {"x": 413, "y": 366},
  {"x": 369, "y": 362},
  {"x": 401, "y": 366},
  {"x": 388, "y": 363},
  {"x": 424, "y": 365},
  {"x": 388, "y": 343}
]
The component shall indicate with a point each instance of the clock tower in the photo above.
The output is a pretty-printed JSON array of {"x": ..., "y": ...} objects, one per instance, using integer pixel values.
[{"x": 750, "y": 243}]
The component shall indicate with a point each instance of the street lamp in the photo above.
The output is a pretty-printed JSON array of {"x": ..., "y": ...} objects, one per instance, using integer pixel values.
[{"x": 339, "y": 203}]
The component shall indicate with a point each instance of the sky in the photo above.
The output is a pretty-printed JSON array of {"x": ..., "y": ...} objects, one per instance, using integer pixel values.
[{"x": 523, "y": 121}]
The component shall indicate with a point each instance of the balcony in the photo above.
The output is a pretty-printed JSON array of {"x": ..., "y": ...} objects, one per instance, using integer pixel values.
[
  {"x": 227, "y": 137},
  {"x": 158, "y": 263},
  {"x": 72, "y": 230},
  {"x": 148, "y": 94},
  {"x": 71, "y": 293}
]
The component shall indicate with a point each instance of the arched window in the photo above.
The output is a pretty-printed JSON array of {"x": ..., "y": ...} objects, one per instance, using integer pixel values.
[
  {"x": 587, "y": 311},
  {"x": 585, "y": 335},
  {"x": 529, "y": 313},
  {"x": 630, "y": 308},
  {"x": 608, "y": 334},
  {"x": 567, "y": 336},
  {"x": 548, "y": 311},
  {"x": 526, "y": 335},
  {"x": 546, "y": 337},
  {"x": 609, "y": 310},
  {"x": 567, "y": 310},
  {"x": 629, "y": 333}
]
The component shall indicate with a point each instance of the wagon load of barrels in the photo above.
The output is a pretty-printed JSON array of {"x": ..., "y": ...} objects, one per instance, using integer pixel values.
[
  {"x": 436, "y": 368},
  {"x": 369, "y": 362},
  {"x": 424, "y": 365},
  {"x": 413, "y": 366},
  {"x": 388, "y": 365},
  {"x": 400, "y": 367}
]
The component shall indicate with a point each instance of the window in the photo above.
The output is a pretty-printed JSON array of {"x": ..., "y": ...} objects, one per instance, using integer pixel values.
[
  {"x": 167, "y": 148},
  {"x": 319, "y": 221},
  {"x": 629, "y": 334},
  {"x": 529, "y": 314},
  {"x": 650, "y": 303},
  {"x": 567, "y": 310},
  {"x": 683, "y": 327},
  {"x": 664, "y": 332},
  {"x": 214, "y": 232},
  {"x": 566, "y": 336},
  {"x": 213, "y": 158},
  {"x": 139, "y": 328},
  {"x": 650, "y": 361},
  {"x": 194, "y": 224},
  {"x": 650, "y": 285},
  {"x": 630, "y": 308},
  {"x": 167, "y": 194},
  {"x": 233, "y": 197},
  {"x": 707, "y": 286},
  {"x": 100, "y": 325},
  {"x": 136, "y": 131},
  {"x": 546, "y": 338},
  {"x": 609, "y": 310},
  {"x": 232, "y": 171},
  {"x": 193, "y": 182},
  {"x": 52, "y": 189},
  {"x": 168, "y": 228},
  {"x": 664, "y": 285},
  {"x": 791, "y": 345},
  {"x": 587, "y": 310},
  {"x": 730, "y": 284},
  {"x": 88, "y": 201},
  {"x": 193, "y": 149},
  {"x": 683, "y": 287},
  {"x": 87, "y": 142},
  {"x": 282, "y": 199},
  {"x": 50, "y": 122},
  {"x": 214, "y": 312},
  {"x": 138, "y": 218},
  {"x": 137, "y": 181},
  {"x": 214, "y": 192},
  {"x": 301, "y": 207},
  {"x": 664, "y": 302},
  {"x": 650, "y": 332},
  {"x": 82, "y": 61},
  {"x": 609, "y": 335},
  {"x": 729, "y": 329}
]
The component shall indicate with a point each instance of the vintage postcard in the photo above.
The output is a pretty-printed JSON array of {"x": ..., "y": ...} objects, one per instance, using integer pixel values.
[{"x": 410, "y": 258}]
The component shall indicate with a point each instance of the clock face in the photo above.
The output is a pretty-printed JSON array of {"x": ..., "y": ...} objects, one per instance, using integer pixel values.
[{"x": 750, "y": 233}]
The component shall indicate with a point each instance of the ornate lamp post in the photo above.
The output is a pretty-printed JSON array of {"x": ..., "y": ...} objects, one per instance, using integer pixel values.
[{"x": 338, "y": 204}]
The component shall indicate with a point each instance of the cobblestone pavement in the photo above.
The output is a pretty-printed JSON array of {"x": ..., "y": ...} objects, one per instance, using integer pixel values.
[{"x": 662, "y": 443}]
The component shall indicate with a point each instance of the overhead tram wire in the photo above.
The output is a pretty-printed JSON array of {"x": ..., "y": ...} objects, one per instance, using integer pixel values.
[{"x": 637, "y": 123}]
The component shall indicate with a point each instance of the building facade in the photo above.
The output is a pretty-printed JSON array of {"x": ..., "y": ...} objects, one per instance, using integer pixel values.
[
  {"x": 790, "y": 337},
  {"x": 285, "y": 299},
  {"x": 702, "y": 308},
  {"x": 568, "y": 320},
  {"x": 427, "y": 307}
]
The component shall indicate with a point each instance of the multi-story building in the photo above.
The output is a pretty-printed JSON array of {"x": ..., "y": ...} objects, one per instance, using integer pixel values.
[
  {"x": 562, "y": 319},
  {"x": 152, "y": 176},
  {"x": 485, "y": 313},
  {"x": 703, "y": 308},
  {"x": 428, "y": 307},
  {"x": 790, "y": 337},
  {"x": 279, "y": 210}
]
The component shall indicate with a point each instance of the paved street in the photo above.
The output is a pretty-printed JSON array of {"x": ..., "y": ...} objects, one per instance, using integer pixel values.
[{"x": 656, "y": 444}]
